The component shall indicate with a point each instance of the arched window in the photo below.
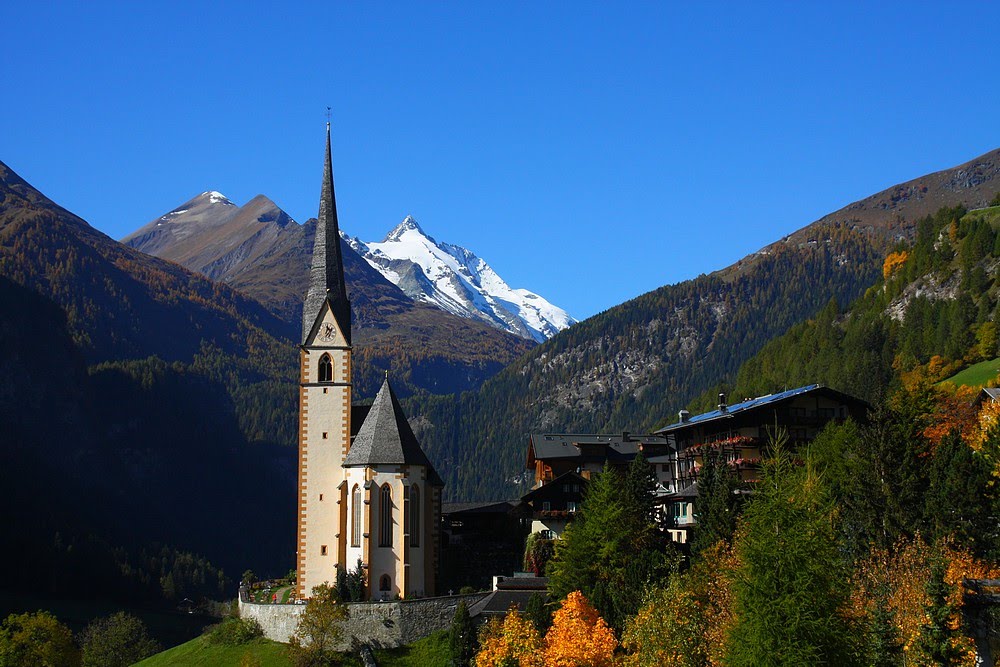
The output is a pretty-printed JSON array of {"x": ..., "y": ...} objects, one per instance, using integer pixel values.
[
  {"x": 385, "y": 517},
  {"x": 385, "y": 583},
  {"x": 357, "y": 509},
  {"x": 414, "y": 516},
  {"x": 325, "y": 369}
]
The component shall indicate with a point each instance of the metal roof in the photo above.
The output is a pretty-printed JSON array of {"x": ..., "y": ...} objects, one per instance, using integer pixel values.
[{"x": 745, "y": 406}]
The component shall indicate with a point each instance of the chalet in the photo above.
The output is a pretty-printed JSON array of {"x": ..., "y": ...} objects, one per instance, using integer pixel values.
[
  {"x": 552, "y": 506},
  {"x": 563, "y": 463},
  {"x": 551, "y": 455},
  {"x": 741, "y": 432}
]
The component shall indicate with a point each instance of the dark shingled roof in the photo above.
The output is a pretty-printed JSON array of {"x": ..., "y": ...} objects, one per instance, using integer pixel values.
[
  {"x": 387, "y": 439},
  {"x": 326, "y": 274},
  {"x": 495, "y": 507}
]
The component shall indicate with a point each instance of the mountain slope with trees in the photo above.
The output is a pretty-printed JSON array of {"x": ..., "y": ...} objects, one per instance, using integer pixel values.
[
  {"x": 633, "y": 366},
  {"x": 262, "y": 252},
  {"x": 933, "y": 308}
]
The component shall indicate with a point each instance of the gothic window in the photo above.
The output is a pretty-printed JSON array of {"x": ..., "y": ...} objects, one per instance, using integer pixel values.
[
  {"x": 357, "y": 510},
  {"x": 414, "y": 516},
  {"x": 385, "y": 583},
  {"x": 385, "y": 517},
  {"x": 325, "y": 369}
]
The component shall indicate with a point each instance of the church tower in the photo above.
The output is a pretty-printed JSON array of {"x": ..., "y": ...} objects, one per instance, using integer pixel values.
[
  {"x": 367, "y": 495},
  {"x": 324, "y": 399}
]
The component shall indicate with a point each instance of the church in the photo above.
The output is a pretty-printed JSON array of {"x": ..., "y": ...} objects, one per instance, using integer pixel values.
[{"x": 366, "y": 491}]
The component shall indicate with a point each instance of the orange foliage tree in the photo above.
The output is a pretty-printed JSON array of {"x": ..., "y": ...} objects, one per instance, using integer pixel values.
[
  {"x": 579, "y": 637},
  {"x": 898, "y": 579},
  {"x": 512, "y": 641},
  {"x": 893, "y": 263},
  {"x": 952, "y": 410}
]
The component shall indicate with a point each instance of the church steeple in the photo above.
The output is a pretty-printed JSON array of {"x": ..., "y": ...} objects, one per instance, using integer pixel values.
[{"x": 326, "y": 275}]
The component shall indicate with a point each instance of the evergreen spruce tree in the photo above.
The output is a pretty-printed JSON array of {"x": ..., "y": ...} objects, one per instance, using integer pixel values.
[
  {"x": 462, "y": 637},
  {"x": 937, "y": 638},
  {"x": 718, "y": 504},
  {"x": 961, "y": 500},
  {"x": 612, "y": 551},
  {"x": 538, "y": 613}
]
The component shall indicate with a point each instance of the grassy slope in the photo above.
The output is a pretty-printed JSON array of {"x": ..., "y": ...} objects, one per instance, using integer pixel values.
[
  {"x": 977, "y": 375},
  {"x": 431, "y": 651},
  {"x": 199, "y": 652}
]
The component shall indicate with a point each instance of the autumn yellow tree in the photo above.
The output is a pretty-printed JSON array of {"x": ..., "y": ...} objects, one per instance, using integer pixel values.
[
  {"x": 511, "y": 641},
  {"x": 579, "y": 637},
  {"x": 685, "y": 623},
  {"x": 893, "y": 263},
  {"x": 894, "y": 582}
]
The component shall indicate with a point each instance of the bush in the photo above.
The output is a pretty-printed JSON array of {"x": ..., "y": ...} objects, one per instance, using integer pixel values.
[
  {"x": 118, "y": 640},
  {"x": 36, "y": 639},
  {"x": 235, "y": 631}
]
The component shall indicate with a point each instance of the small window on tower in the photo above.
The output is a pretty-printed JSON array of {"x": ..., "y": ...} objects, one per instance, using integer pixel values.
[
  {"x": 324, "y": 435},
  {"x": 325, "y": 369},
  {"x": 322, "y": 550},
  {"x": 321, "y": 497}
]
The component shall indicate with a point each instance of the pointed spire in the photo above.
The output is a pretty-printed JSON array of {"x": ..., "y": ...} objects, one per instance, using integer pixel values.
[
  {"x": 385, "y": 437},
  {"x": 326, "y": 275}
]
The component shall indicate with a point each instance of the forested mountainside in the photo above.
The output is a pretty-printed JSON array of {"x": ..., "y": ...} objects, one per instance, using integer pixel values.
[
  {"x": 934, "y": 307},
  {"x": 117, "y": 476},
  {"x": 634, "y": 366},
  {"x": 260, "y": 251},
  {"x": 137, "y": 400}
]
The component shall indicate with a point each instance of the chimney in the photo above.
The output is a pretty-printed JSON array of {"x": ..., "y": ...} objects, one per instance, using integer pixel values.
[
  {"x": 722, "y": 403},
  {"x": 625, "y": 435},
  {"x": 683, "y": 416}
]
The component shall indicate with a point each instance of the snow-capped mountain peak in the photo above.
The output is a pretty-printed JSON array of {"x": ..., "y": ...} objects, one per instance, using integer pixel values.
[
  {"x": 215, "y": 197},
  {"x": 409, "y": 224},
  {"x": 454, "y": 279}
]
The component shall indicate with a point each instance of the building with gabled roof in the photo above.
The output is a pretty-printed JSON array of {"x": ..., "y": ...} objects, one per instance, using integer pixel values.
[
  {"x": 367, "y": 494},
  {"x": 551, "y": 455},
  {"x": 741, "y": 433}
]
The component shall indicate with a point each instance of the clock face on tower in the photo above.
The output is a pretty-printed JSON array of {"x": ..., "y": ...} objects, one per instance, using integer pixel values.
[{"x": 327, "y": 332}]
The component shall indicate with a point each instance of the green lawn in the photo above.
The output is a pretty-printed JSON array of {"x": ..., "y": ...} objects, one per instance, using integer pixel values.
[
  {"x": 199, "y": 651},
  {"x": 431, "y": 651},
  {"x": 427, "y": 652},
  {"x": 977, "y": 375}
]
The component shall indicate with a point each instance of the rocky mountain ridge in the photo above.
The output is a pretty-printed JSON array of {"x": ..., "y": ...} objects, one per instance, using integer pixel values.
[
  {"x": 454, "y": 279},
  {"x": 261, "y": 251}
]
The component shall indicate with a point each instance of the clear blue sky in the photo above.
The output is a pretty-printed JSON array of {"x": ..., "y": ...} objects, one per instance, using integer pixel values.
[{"x": 589, "y": 152}]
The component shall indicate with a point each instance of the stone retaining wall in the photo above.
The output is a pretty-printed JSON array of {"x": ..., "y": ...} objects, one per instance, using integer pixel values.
[{"x": 377, "y": 624}]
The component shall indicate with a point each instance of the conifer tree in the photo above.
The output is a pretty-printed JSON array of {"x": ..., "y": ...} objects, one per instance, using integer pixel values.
[
  {"x": 611, "y": 552},
  {"x": 462, "y": 637},
  {"x": 938, "y": 635},
  {"x": 790, "y": 588},
  {"x": 961, "y": 501},
  {"x": 718, "y": 504},
  {"x": 537, "y": 612}
]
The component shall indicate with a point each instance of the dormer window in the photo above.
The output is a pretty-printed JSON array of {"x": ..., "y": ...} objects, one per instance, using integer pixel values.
[{"x": 325, "y": 369}]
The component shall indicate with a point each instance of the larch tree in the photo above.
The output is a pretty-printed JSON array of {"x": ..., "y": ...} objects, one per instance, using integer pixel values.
[
  {"x": 511, "y": 642},
  {"x": 791, "y": 583},
  {"x": 579, "y": 637}
]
